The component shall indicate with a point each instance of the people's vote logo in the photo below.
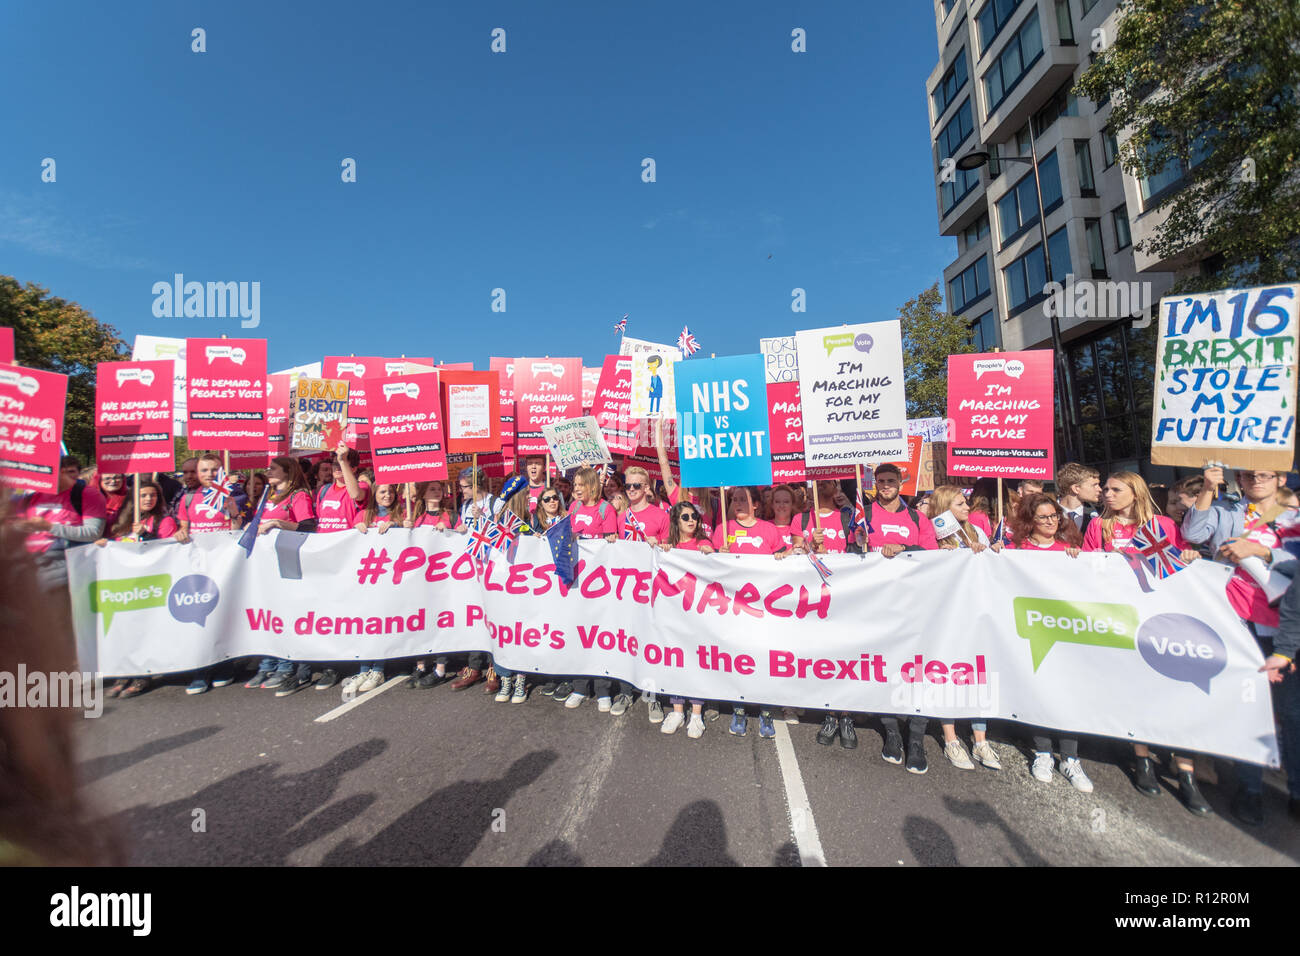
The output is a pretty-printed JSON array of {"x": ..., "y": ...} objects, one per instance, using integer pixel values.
[
  {"x": 330, "y": 504},
  {"x": 898, "y": 529},
  {"x": 193, "y": 598},
  {"x": 1183, "y": 648}
]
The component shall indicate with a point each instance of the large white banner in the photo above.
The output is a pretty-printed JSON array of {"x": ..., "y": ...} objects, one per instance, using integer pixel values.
[
  {"x": 1075, "y": 644},
  {"x": 851, "y": 386}
]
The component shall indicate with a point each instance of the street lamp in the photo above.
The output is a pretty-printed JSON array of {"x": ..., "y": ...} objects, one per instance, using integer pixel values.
[{"x": 974, "y": 160}]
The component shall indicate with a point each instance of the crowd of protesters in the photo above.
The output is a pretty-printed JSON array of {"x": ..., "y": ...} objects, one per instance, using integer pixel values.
[{"x": 1196, "y": 515}]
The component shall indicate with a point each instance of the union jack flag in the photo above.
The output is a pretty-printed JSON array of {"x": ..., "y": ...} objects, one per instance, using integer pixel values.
[
  {"x": 859, "y": 514},
  {"x": 504, "y": 531},
  {"x": 481, "y": 541},
  {"x": 1156, "y": 550},
  {"x": 820, "y": 566},
  {"x": 686, "y": 343},
  {"x": 216, "y": 494},
  {"x": 633, "y": 528},
  {"x": 621, "y": 325}
]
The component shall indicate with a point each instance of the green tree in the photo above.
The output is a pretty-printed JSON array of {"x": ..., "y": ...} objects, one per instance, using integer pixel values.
[
  {"x": 1212, "y": 89},
  {"x": 60, "y": 336},
  {"x": 930, "y": 335}
]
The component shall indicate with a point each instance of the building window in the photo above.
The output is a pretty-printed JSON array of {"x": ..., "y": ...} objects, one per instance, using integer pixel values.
[
  {"x": 1022, "y": 141},
  {"x": 1063, "y": 24},
  {"x": 1092, "y": 58},
  {"x": 950, "y": 85},
  {"x": 1083, "y": 164},
  {"x": 1017, "y": 57},
  {"x": 1112, "y": 412},
  {"x": 1171, "y": 177},
  {"x": 1058, "y": 247},
  {"x": 969, "y": 287},
  {"x": 949, "y": 4},
  {"x": 976, "y": 231},
  {"x": 1109, "y": 147},
  {"x": 1085, "y": 6},
  {"x": 1096, "y": 254},
  {"x": 950, "y": 139},
  {"x": 1123, "y": 238},
  {"x": 1025, "y": 278},
  {"x": 1018, "y": 209},
  {"x": 1062, "y": 103},
  {"x": 993, "y": 16},
  {"x": 984, "y": 332}
]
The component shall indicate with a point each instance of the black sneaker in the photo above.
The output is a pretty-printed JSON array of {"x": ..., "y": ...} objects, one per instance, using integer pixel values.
[
  {"x": 830, "y": 727},
  {"x": 916, "y": 756},
  {"x": 328, "y": 678},
  {"x": 293, "y": 683},
  {"x": 892, "y": 751},
  {"x": 563, "y": 692},
  {"x": 1192, "y": 798},
  {"x": 1248, "y": 808},
  {"x": 432, "y": 678},
  {"x": 1144, "y": 777},
  {"x": 848, "y": 736},
  {"x": 548, "y": 689},
  {"x": 413, "y": 681}
]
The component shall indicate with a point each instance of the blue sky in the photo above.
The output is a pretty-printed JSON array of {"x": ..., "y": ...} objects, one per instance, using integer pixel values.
[{"x": 475, "y": 170}]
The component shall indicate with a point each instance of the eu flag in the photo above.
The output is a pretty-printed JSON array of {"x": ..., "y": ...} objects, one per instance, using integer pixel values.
[{"x": 564, "y": 549}]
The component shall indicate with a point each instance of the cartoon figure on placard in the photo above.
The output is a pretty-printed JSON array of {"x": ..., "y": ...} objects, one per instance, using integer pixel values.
[{"x": 656, "y": 389}]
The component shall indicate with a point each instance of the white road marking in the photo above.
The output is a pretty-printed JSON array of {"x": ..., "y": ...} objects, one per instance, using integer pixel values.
[
  {"x": 360, "y": 699},
  {"x": 802, "y": 824},
  {"x": 583, "y": 799}
]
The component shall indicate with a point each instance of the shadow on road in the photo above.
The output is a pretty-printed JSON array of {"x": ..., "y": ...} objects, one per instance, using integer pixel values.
[
  {"x": 981, "y": 814},
  {"x": 698, "y": 837},
  {"x": 97, "y": 767}
]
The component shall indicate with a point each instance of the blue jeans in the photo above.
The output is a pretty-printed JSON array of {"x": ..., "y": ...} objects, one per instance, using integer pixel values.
[
  {"x": 275, "y": 665},
  {"x": 1286, "y": 705},
  {"x": 373, "y": 666}
]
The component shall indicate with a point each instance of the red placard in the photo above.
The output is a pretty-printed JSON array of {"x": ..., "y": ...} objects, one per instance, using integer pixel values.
[
  {"x": 225, "y": 388},
  {"x": 547, "y": 390},
  {"x": 613, "y": 403},
  {"x": 785, "y": 426},
  {"x": 355, "y": 369},
  {"x": 6, "y": 344},
  {"x": 133, "y": 417},
  {"x": 506, "y": 368},
  {"x": 455, "y": 366},
  {"x": 406, "y": 432},
  {"x": 1000, "y": 406},
  {"x": 31, "y": 427},
  {"x": 278, "y": 427},
  {"x": 911, "y": 468},
  {"x": 590, "y": 380},
  {"x": 471, "y": 403}
]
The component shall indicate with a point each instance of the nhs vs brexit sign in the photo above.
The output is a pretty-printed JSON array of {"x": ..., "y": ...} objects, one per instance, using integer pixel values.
[{"x": 722, "y": 422}]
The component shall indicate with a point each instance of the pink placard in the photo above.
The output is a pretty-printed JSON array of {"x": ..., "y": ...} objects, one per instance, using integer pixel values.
[
  {"x": 31, "y": 427},
  {"x": 133, "y": 417},
  {"x": 406, "y": 429},
  {"x": 1000, "y": 405},
  {"x": 225, "y": 387}
]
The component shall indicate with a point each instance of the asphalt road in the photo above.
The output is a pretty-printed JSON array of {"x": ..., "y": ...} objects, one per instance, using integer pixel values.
[{"x": 237, "y": 776}]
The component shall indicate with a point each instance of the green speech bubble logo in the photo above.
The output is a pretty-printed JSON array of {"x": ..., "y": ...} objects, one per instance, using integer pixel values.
[
  {"x": 832, "y": 342},
  {"x": 1042, "y": 623},
  {"x": 115, "y": 595}
]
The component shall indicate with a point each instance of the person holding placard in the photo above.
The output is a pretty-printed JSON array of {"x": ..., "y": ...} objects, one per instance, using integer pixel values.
[
  {"x": 433, "y": 507},
  {"x": 477, "y": 505},
  {"x": 1128, "y": 507},
  {"x": 785, "y": 519},
  {"x": 950, "y": 515},
  {"x": 1236, "y": 532},
  {"x": 113, "y": 489},
  {"x": 686, "y": 532},
  {"x": 828, "y": 531}
]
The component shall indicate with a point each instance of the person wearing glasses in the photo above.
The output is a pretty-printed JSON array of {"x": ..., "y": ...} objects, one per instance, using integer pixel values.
[
  {"x": 550, "y": 509},
  {"x": 686, "y": 532},
  {"x": 1128, "y": 506},
  {"x": 652, "y": 520},
  {"x": 674, "y": 493},
  {"x": 1235, "y": 531}
]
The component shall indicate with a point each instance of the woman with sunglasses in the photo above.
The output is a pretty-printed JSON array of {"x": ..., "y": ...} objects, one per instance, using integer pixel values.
[
  {"x": 1128, "y": 506},
  {"x": 550, "y": 509},
  {"x": 685, "y": 532}
]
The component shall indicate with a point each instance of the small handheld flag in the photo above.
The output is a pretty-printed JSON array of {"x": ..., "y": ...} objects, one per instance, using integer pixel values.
[
  {"x": 820, "y": 566},
  {"x": 564, "y": 549},
  {"x": 218, "y": 493},
  {"x": 633, "y": 528},
  {"x": 249, "y": 537},
  {"x": 686, "y": 343},
  {"x": 1156, "y": 550},
  {"x": 621, "y": 325}
]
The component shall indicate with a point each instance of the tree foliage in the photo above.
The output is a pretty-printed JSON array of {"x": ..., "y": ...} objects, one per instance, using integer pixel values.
[
  {"x": 60, "y": 336},
  {"x": 1218, "y": 83},
  {"x": 930, "y": 335}
]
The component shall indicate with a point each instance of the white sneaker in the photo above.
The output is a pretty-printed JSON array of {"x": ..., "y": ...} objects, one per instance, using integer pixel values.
[
  {"x": 657, "y": 713},
  {"x": 955, "y": 751},
  {"x": 504, "y": 693},
  {"x": 672, "y": 722},
  {"x": 349, "y": 686},
  {"x": 574, "y": 700},
  {"x": 1042, "y": 768},
  {"x": 603, "y": 704},
  {"x": 695, "y": 727},
  {"x": 1072, "y": 770},
  {"x": 791, "y": 714},
  {"x": 521, "y": 690},
  {"x": 371, "y": 680},
  {"x": 983, "y": 752}
]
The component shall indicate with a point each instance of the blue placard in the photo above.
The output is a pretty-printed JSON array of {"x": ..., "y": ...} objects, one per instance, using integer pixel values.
[{"x": 722, "y": 422}]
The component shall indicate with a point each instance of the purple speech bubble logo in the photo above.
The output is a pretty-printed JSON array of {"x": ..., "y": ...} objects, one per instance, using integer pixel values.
[
  {"x": 863, "y": 342},
  {"x": 1182, "y": 648},
  {"x": 193, "y": 598}
]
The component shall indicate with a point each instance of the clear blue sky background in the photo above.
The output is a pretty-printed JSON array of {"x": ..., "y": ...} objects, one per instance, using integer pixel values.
[{"x": 476, "y": 170}]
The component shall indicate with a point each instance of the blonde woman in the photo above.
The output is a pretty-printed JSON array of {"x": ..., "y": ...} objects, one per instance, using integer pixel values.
[
  {"x": 1128, "y": 506},
  {"x": 949, "y": 498}
]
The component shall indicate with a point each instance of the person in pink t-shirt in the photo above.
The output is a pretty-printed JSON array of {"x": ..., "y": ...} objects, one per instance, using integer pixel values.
[
  {"x": 1040, "y": 524},
  {"x": 535, "y": 469},
  {"x": 687, "y": 534},
  {"x": 785, "y": 520},
  {"x": 652, "y": 520},
  {"x": 675, "y": 493},
  {"x": 746, "y": 533},
  {"x": 433, "y": 506},
  {"x": 288, "y": 502},
  {"x": 342, "y": 501},
  {"x": 893, "y": 527},
  {"x": 591, "y": 516},
  {"x": 152, "y": 524},
  {"x": 193, "y": 516}
]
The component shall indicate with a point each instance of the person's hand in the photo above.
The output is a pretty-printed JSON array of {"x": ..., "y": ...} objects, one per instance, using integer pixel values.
[
  {"x": 780, "y": 554},
  {"x": 1277, "y": 667},
  {"x": 137, "y": 529},
  {"x": 891, "y": 550},
  {"x": 977, "y": 547},
  {"x": 361, "y": 526},
  {"x": 996, "y": 547},
  {"x": 341, "y": 452},
  {"x": 1189, "y": 555},
  {"x": 384, "y": 526},
  {"x": 232, "y": 509},
  {"x": 706, "y": 548},
  {"x": 29, "y": 525},
  {"x": 1073, "y": 552},
  {"x": 819, "y": 539},
  {"x": 665, "y": 546},
  {"x": 103, "y": 541},
  {"x": 1213, "y": 478},
  {"x": 408, "y": 523},
  {"x": 611, "y": 538},
  {"x": 182, "y": 536},
  {"x": 651, "y": 540},
  {"x": 1237, "y": 550}
]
